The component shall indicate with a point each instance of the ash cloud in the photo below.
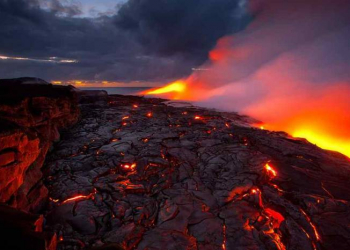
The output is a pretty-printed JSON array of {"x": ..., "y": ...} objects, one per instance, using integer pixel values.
[{"x": 146, "y": 40}]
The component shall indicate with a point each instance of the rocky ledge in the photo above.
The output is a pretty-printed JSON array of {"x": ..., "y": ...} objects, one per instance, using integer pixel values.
[
  {"x": 31, "y": 114},
  {"x": 140, "y": 173}
]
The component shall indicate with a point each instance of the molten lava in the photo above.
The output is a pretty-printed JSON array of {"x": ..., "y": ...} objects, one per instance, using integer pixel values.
[
  {"x": 270, "y": 170},
  {"x": 276, "y": 216},
  {"x": 129, "y": 167},
  {"x": 178, "y": 86},
  {"x": 77, "y": 197}
]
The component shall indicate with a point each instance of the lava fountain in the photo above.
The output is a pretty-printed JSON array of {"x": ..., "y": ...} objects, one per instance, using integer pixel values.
[{"x": 289, "y": 69}]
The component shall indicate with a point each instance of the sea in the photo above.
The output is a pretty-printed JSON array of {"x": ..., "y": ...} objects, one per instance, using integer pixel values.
[{"x": 120, "y": 90}]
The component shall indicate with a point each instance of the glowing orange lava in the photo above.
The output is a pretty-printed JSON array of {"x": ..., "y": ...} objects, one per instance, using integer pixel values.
[
  {"x": 276, "y": 216},
  {"x": 178, "y": 86},
  {"x": 270, "y": 170},
  {"x": 317, "y": 235},
  {"x": 77, "y": 197},
  {"x": 297, "y": 107},
  {"x": 130, "y": 167}
]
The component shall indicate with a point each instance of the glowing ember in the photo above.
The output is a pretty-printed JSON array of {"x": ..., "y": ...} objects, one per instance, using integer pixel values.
[
  {"x": 149, "y": 114},
  {"x": 124, "y": 123},
  {"x": 197, "y": 117},
  {"x": 130, "y": 167},
  {"x": 227, "y": 125},
  {"x": 254, "y": 191},
  {"x": 135, "y": 106},
  {"x": 54, "y": 200},
  {"x": 125, "y": 117},
  {"x": 270, "y": 170}
]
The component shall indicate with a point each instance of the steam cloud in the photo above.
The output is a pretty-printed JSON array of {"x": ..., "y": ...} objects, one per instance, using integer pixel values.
[{"x": 290, "y": 68}]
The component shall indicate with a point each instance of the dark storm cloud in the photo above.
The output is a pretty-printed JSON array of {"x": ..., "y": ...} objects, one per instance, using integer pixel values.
[
  {"x": 146, "y": 40},
  {"x": 68, "y": 10},
  {"x": 188, "y": 27}
]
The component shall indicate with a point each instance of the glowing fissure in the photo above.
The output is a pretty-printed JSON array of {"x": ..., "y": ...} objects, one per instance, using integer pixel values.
[
  {"x": 78, "y": 197},
  {"x": 223, "y": 246},
  {"x": 317, "y": 235}
]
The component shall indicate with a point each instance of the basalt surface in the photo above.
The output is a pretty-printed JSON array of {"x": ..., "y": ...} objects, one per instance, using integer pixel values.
[{"x": 136, "y": 173}]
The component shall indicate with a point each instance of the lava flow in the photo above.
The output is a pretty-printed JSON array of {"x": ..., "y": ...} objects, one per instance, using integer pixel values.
[{"x": 289, "y": 86}]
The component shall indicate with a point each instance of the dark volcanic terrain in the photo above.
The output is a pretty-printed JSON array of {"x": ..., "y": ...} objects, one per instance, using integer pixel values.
[{"x": 137, "y": 173}]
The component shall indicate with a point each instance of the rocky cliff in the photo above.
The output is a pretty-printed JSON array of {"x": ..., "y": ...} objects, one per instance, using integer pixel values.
[{"x": 31, "y": 114}]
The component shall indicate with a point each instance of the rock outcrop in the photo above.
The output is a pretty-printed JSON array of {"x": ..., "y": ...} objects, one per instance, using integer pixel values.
[{"x": 32, "y": 112}]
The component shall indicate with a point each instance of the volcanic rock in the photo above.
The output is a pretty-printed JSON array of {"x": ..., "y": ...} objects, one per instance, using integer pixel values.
[
  {"x": 138, "y": 173},
  {"x": 32, "y": 112}
]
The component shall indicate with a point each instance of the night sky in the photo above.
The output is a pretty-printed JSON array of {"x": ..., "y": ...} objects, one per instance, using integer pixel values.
[{"x": 113, "y": 40}]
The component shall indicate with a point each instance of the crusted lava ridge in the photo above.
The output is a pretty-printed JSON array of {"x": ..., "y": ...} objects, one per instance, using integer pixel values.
[{"x": 135, "y": 173}]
